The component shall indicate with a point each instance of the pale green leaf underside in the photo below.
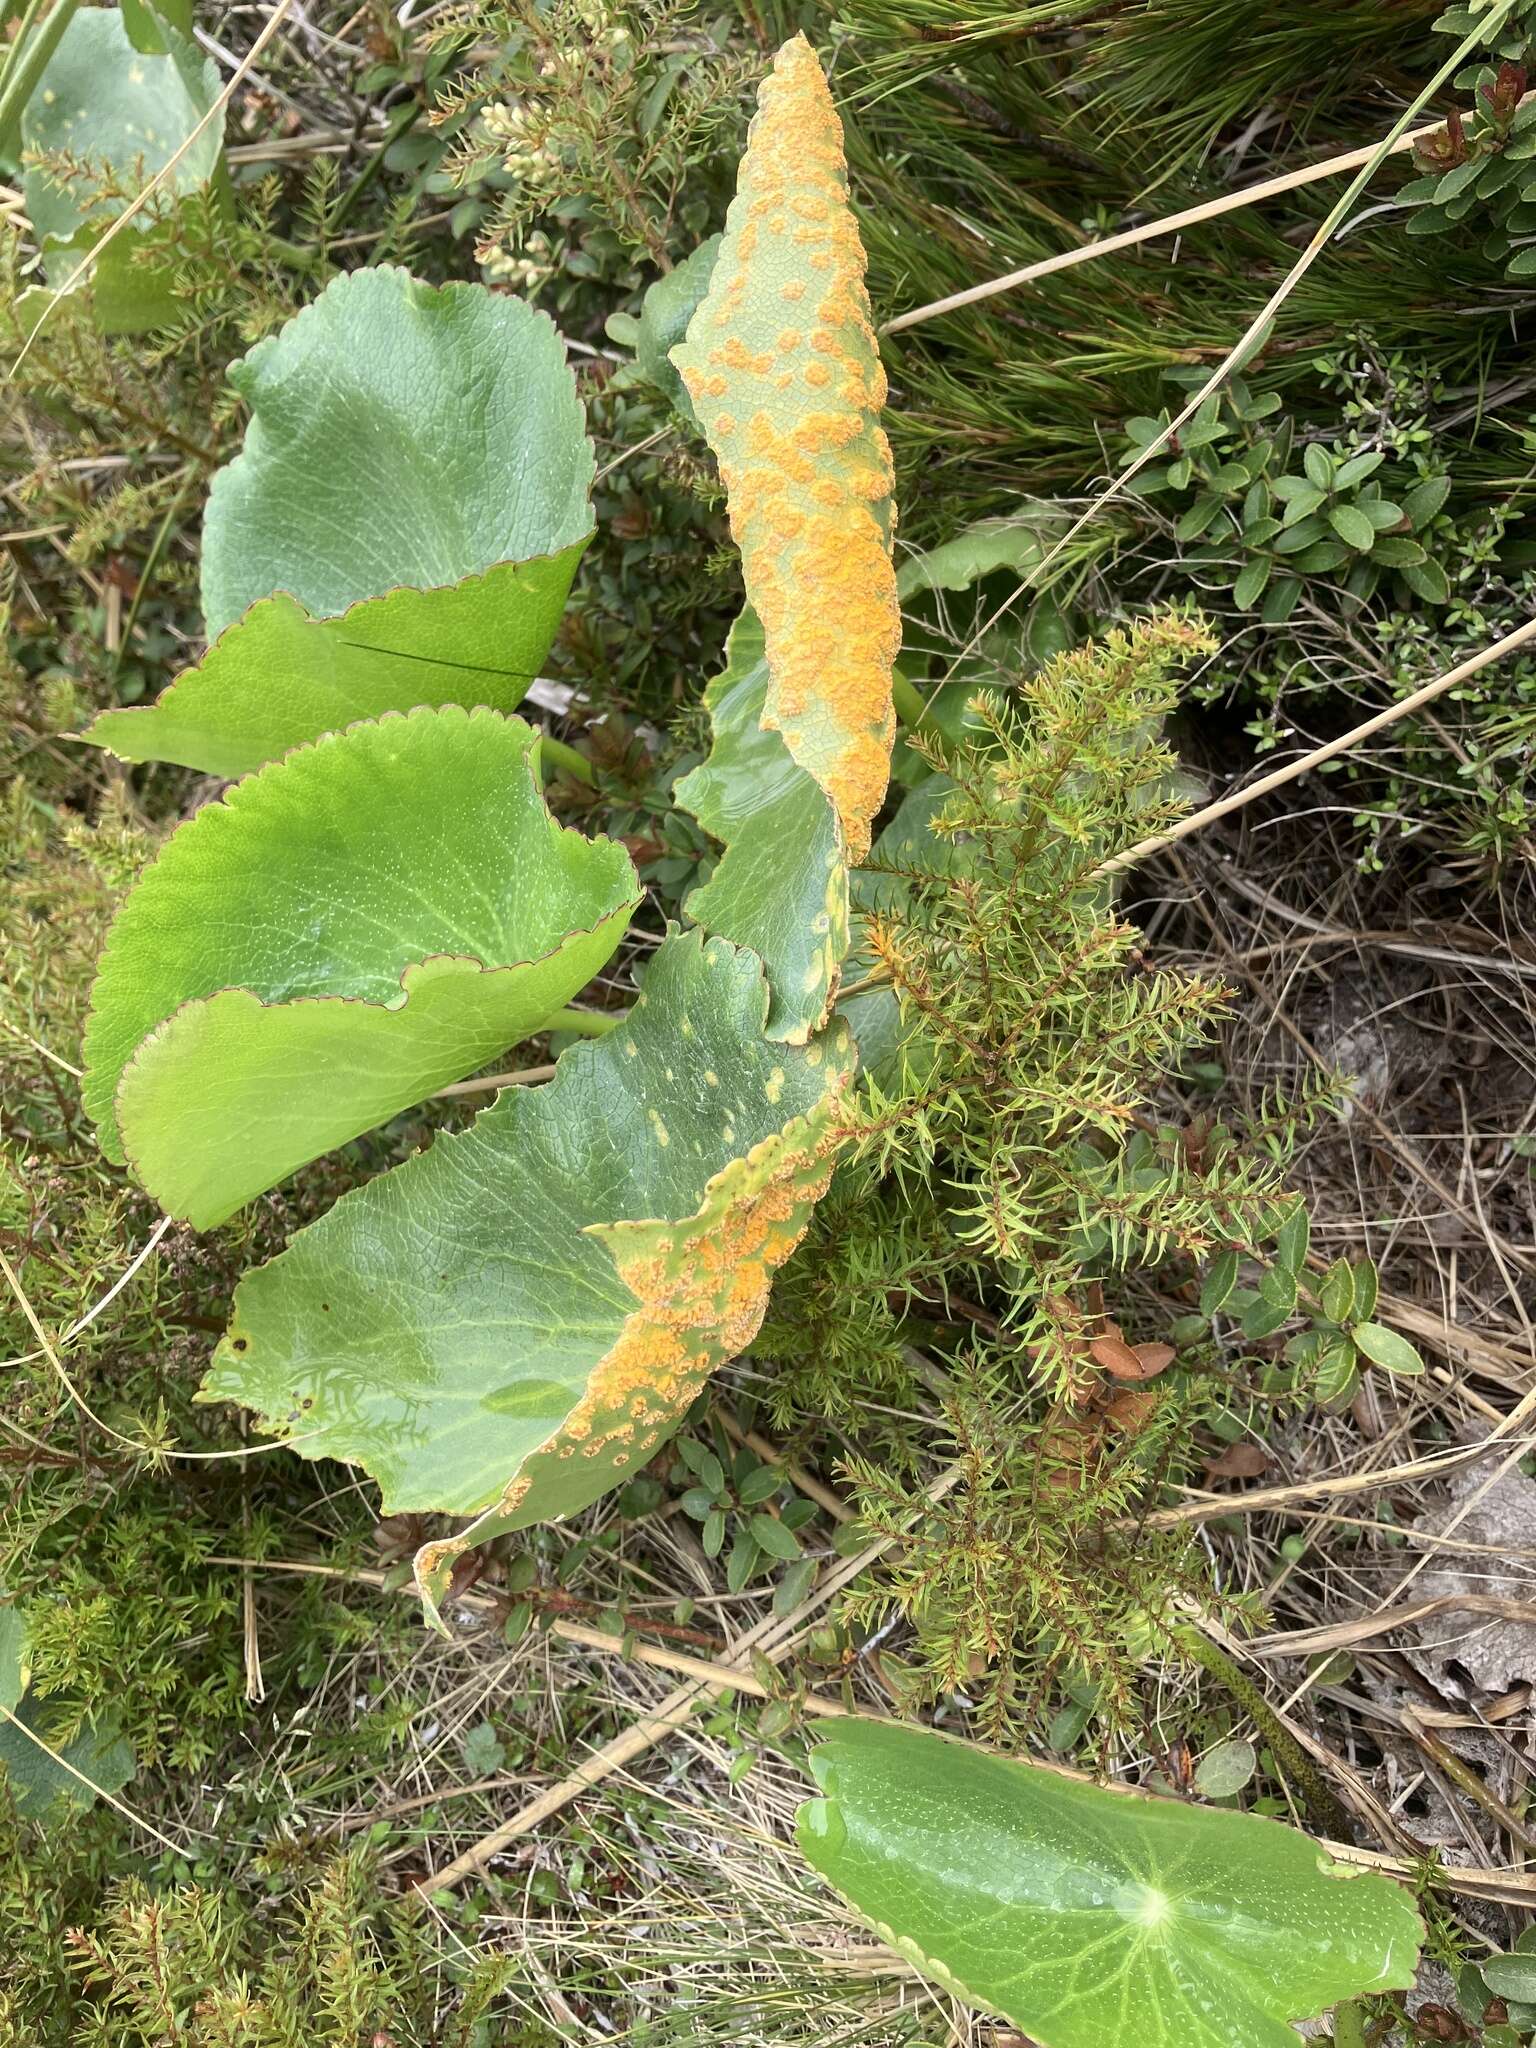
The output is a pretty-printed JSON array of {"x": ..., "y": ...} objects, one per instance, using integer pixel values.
[
  {"x": 115, "y": 110},
  {"x": 278, "y": 678},
  {"x": 402, "y": 435},
  {"x": 356, "y": 925},
  {"x": 13, "y": 1654},
  {"x": 781, "y": 886},
  {"x": 1085, "y": 1916},
  {"x": 668, "y": 306},
  {"x": 516, "y": 1316}
]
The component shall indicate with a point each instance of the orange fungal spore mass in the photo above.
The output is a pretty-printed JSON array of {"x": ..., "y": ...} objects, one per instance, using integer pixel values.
[{"x": 807, "y": 468}]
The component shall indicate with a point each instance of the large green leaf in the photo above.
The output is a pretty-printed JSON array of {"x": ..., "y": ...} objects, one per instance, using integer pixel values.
[
  {"x": 400, "y": 528},
  {"x": 781, "y": 886},
  {"x": 1087, "y": 1916},
  {"x": 401, "y": 434},
  {"x": 507, "y": 1323},
  {"x": 14, "y": 1671},
  {"x": 31, "y": 1753},
  {"x": 374, "y": 916},
  {"x": 784, "y": 373},
  {"x": 281, "y": 677},
  {"x": 105, "y": 119}
]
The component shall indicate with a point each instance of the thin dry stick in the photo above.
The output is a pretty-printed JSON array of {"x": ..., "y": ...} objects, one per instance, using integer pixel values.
[
  {"x": 1477, "y": 1883},
  {"x": 99, "y": 1791},
  {"x": 1339, "y": 1635},
  {"x": 1205, "y": 1508},
  {"x": 1235, "y": 801},
  {"x": 577, "y": 1632},
  {"x": 702, "y": 1668},
  {"x": 139, "y": 1449},
  {"x": 774, "y": 1638},
  {"x": 1504, "y": 1888},
  {"x": 1154, "y": 230},
  {"x": 524, "y": 1077},
  {"x": 245, "y": 65},
  {"x": 1501, "y": 1363}
]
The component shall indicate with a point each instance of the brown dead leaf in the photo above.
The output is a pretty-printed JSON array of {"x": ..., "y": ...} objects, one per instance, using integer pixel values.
[
  {"x": 1115, "y": 1356},
  {"x": 1131, "y": 1409},
  {"x": 1238, "y": 1461},
  {"x": 1131, "y": 1361}
]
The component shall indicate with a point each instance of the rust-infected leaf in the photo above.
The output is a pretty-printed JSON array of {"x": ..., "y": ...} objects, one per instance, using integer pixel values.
[
  {"x": 512, "y": 1322},
  {"x": 783, "y": 369}
]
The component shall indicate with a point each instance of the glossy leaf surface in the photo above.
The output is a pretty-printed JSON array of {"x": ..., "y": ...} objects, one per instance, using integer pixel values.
[
  {"x": 355, "y": 926},
  {"x": 1086, "y": 1916},
  {"x": 781, "y": 364},
  {"x": 511, "y": 1321}
]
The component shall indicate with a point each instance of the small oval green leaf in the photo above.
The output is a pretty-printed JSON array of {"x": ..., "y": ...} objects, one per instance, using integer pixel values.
[{"x": 1386, "y": 1348}]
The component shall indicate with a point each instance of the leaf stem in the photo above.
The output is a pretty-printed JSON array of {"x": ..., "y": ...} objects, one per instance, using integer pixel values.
[
  {"x": 26, "y": 61},
  {"x": 1325, "y": 1810},
  {"x": 556, "y": 754},
  {"x": 911, "y": 705},
  {"x": 590, "y": 1023}
]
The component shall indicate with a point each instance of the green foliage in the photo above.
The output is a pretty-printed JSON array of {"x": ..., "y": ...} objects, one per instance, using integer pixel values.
[
  {"x": 1326, "y": 513},
  {"x": 782, "y": 366},
  {"x": 40, "y": 1770},
  {"x": 1021, "y": 1200},
  {"x": 1079, "y": 1913},
  {"x": 120, "y": 102},
  {"x": 1341, "y": 1335},
  {"x": 1476, "y": 175},
  {"x": 624, "y": 1223},
  {"x": 409, "y": 558},
  {"x": 569, "y": 1214},
  {"x": 192, "y": 1966},
  {"x": 1011, "y": 1171},
  {"x": 736, "y": 1496},
  {"x": 665, "y": 313},
  {"x": 610, "y": 125},
  {"x": 377, "y": 454},
  {"x": 369, "y": 919},
  {"x": 1482, "y": 177},
  {"x": 749, "y": 793}
]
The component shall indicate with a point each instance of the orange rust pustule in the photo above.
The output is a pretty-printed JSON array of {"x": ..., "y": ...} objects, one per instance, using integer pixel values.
[
  {"x": 791, "y": 409},
  {"x": 701, "y": 1288}
]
